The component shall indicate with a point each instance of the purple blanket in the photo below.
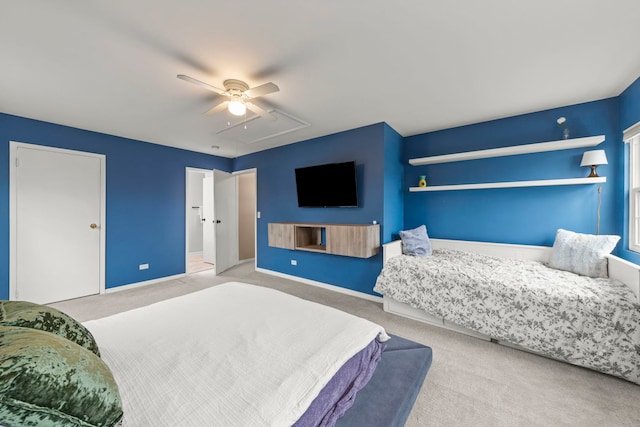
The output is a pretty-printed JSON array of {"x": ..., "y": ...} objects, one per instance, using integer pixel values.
[{"x": 339, "y": 393}]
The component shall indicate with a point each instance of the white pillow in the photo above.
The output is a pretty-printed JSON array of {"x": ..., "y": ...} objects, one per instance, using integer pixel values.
[{"x": 582, "y": 254}]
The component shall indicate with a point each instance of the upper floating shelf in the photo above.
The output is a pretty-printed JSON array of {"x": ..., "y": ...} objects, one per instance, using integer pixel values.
[
  {"x": 513, "y": 184},
  {"x": 563, "y": 144}
]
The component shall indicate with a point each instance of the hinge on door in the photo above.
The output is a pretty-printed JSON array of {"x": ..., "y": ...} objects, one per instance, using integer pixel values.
[{"x": 17, "y": 162}]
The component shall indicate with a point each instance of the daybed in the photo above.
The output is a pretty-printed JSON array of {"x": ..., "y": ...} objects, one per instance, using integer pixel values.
[
  {"x": 505, "y": 293},
  {"x": 231, "y": 355}
]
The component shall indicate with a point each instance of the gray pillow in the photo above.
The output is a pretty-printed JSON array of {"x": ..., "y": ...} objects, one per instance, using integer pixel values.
[
  {"x": 582, "y": 254},
  {"x": 416, "y": 242}
]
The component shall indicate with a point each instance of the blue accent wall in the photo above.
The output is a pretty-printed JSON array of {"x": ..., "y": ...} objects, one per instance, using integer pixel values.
[
  {"x": 145, "y": 197},
  {"x": 277, "y": 200},
  {"x": 630, "y": 106},
  {"x": 516, "y": 215},
  {"x": 393, "y": 185},
  {"x": 146, "y": 189},
  {"x": 629, "y": 115}
]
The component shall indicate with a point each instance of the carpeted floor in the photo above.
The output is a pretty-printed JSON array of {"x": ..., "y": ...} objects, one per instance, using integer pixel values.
[{"x": 471, "y": 382}]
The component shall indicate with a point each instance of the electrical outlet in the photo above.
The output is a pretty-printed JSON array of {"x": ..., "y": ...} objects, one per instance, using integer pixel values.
[
  {"x": 294, "y": 262},
  {"x": 143, "y": 266},
  {"x": 258, "y": 214}
]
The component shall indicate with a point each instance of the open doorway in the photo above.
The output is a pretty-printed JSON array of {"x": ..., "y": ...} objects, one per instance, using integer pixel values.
[
  {"x": 247, "y": 211},
  {"x": 201, "y": 226},
  {"x": 196, "y": 215}
]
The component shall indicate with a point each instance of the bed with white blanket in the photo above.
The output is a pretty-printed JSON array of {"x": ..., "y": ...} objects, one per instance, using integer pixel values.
[
  {"x": 255, "y": 363},
  {"x": 231, "y": 355},
  {"x": 507, "y": 294}
]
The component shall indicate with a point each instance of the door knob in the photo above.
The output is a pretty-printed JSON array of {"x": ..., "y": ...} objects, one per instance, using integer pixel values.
[{"x": 93, "y": 226}]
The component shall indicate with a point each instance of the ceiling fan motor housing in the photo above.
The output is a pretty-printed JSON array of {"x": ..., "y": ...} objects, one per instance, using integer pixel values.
[{"x": 234, "y": 86}]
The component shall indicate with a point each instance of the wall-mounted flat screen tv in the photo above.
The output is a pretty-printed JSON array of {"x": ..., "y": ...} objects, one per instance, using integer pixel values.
[{"x": 327, "y": 186}]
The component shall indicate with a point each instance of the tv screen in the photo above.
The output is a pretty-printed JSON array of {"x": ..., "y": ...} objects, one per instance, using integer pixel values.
[{"x": 327, "y": 186}]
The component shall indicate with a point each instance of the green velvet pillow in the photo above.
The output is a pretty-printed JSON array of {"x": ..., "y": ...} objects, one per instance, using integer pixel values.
[
  {"x": 36, "y": 316},
  {"x": 48, "y": 381}
]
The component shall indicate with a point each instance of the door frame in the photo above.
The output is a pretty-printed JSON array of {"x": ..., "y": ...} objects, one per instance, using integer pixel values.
[
  {"x": 13, "y": 260},
  {"x": 187, "y": 208},
  {"x": 255, "y": 215}
]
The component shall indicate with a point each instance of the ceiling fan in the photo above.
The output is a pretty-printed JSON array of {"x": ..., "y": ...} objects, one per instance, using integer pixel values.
[{"x": 239, "y": 96}]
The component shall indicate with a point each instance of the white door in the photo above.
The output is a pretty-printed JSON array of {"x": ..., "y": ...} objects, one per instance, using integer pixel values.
[
  {"x": 208, "y": 228},
  {"x": 226, "y": 220},
  {"x": 57, "y": 247}
]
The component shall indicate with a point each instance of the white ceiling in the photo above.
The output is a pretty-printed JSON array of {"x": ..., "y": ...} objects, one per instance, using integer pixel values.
[{"x": 419, "y": 65}]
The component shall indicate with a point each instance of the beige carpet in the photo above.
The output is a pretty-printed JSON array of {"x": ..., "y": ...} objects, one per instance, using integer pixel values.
[{"x": 471, "y": 382}]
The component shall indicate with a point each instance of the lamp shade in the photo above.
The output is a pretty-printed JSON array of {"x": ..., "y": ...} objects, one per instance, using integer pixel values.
[
  {"x": 594, "y": 157},
  {"x": 237, "y": 107}
]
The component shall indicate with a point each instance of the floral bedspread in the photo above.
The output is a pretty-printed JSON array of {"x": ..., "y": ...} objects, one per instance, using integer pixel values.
[{"x": 588, "y": 322}]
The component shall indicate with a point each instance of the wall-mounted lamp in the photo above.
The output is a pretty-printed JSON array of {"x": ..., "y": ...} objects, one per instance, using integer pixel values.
[{"x": 593, "y": 159}]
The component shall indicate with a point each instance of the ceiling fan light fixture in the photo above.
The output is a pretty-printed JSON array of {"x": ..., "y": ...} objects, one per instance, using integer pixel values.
[
  {"x": 239, "y": 96},
  {"x": 237, "y": 107}
]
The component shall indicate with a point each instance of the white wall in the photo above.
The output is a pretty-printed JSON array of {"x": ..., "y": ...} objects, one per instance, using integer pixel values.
[{"x": 194, "y": 222}]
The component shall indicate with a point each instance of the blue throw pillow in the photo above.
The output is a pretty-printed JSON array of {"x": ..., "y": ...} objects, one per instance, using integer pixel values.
[{"x": 416, "y": 242}]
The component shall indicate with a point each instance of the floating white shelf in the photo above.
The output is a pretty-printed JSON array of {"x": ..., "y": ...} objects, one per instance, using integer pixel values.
[
  {"x": 539, "y": 183},
  {"x": 563, "y": 144}
]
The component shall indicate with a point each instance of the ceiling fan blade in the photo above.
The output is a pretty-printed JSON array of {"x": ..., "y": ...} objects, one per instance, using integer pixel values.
[
  {"x": 260, "y": 111},
  {"x": 216, "y": 108},
  {"x": 262, "y": 90},
  {"x": 199, "y": 83}
]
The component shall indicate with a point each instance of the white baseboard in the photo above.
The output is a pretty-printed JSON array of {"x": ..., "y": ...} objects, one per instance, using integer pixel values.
[
  {"x": 145, "y": 283},
  {"x": 322, "y": 285}
]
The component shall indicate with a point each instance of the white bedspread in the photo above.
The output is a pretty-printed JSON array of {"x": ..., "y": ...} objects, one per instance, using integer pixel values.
[{"x": 231, "y": 355}]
